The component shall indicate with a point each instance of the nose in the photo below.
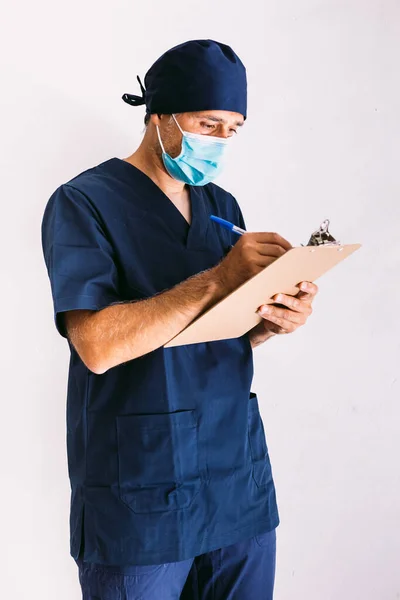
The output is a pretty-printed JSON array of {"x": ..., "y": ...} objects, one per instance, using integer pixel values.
[{"x": 224, "y": 132}]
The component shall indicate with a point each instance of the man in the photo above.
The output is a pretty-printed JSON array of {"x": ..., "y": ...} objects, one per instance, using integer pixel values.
[{"x": 172, "y": 491}]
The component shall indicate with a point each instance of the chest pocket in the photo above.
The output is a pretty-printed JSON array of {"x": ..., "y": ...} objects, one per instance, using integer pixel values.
[
  {"x": 258, "y": 445},
  {"x": 158, "y": 461}
]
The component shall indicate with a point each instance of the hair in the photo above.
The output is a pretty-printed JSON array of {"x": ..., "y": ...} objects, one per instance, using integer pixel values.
[{"x": 147, "y": 118}]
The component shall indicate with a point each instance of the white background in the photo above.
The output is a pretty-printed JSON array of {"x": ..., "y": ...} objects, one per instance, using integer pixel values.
[{"x": 321, "y": 141}]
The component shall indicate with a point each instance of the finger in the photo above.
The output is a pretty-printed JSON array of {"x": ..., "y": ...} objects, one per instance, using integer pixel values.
[
  {"x": 271, "y": 250},
  {"x": 280, "y": 316},
  {"x": 309, "y": 287},
  {"x": 270, "y": 326},
  {"x": 294, "y": 303},
  {"x": 287, "y": 323},
  {"x": 287, "y": 328},
  {"x": 305, "y": 298},
  {"x": 272, "y": 238}
]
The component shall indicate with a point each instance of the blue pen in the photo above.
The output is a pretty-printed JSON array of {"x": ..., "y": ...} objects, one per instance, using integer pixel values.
[{"x": 228, "y": 225}]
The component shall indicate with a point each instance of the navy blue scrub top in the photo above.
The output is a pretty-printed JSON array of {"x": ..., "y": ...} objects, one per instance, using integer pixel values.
[{"x": 167, "y": 455}]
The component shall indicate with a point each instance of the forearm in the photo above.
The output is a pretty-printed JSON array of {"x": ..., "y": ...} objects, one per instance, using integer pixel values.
[{"x": 125, "y": 331}]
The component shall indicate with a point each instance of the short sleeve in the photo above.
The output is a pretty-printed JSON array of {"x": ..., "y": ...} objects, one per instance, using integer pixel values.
[{"x": 78, "y": 256}]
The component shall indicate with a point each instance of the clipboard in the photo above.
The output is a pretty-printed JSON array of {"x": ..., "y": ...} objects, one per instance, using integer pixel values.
[{"x": 235, "y": 314}]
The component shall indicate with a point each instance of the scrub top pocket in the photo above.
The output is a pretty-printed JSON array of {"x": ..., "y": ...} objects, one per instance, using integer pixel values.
[
  {"x": 258, "y": 444},
  {"x": 158, "y": 461}
]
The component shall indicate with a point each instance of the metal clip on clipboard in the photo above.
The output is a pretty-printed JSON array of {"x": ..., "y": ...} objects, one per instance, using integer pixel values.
[{"x": 322, "y": 236}]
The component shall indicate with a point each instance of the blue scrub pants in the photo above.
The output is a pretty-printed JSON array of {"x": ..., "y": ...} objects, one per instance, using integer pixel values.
[{"x": 242, "y": 571}]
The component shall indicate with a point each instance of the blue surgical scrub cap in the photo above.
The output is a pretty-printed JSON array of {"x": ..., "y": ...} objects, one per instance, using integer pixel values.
[{"x": 194, "y": 76}]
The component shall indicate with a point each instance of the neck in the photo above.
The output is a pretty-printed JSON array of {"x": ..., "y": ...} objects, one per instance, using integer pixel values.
[{"x": 148, "y": 160}]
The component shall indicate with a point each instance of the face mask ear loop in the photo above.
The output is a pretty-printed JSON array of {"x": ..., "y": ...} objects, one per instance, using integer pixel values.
[
  {"x": 173, "y": 116},
  {"x": 159, "y": 139}
]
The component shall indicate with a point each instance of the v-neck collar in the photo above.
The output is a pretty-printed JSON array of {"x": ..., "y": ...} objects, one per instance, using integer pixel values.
[{"x": 193, "y": 235}]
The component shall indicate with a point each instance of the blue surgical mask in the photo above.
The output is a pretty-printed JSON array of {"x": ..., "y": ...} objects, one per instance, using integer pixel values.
[{"x": 200, "y": 159}]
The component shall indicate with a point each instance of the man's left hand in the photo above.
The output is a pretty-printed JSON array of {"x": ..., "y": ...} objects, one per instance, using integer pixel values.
[{"x": 284, "y": 320}]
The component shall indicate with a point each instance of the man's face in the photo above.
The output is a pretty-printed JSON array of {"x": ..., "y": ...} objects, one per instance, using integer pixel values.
[{"x": 218, "y": 123}]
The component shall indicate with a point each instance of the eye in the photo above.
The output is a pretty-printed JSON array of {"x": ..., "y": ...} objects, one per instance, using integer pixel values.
[{"x": 207, "y": 126}]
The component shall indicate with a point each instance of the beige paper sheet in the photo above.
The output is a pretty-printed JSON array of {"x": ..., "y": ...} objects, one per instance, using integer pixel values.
[{"x": 236, "y": 314}]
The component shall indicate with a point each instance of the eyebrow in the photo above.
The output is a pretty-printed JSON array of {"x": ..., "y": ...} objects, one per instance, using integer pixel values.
[{"x": 218, "y": 119}]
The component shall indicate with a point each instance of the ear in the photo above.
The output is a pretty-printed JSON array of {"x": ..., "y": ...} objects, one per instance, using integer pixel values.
[{"x": 156, "y": 119}]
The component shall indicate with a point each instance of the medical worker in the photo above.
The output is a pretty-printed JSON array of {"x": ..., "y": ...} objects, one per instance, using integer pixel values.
[{"x": 172, "y": 494}]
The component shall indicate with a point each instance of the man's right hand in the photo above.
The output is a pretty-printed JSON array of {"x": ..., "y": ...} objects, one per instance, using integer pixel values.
[{"x": 250, "y": 255}]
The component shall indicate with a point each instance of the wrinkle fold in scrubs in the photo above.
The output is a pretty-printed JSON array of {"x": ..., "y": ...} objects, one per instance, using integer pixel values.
[{"x": 167, "y": 455}]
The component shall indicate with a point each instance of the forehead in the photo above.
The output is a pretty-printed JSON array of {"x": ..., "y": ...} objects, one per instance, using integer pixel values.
[{"x": 220, "y": 116}]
